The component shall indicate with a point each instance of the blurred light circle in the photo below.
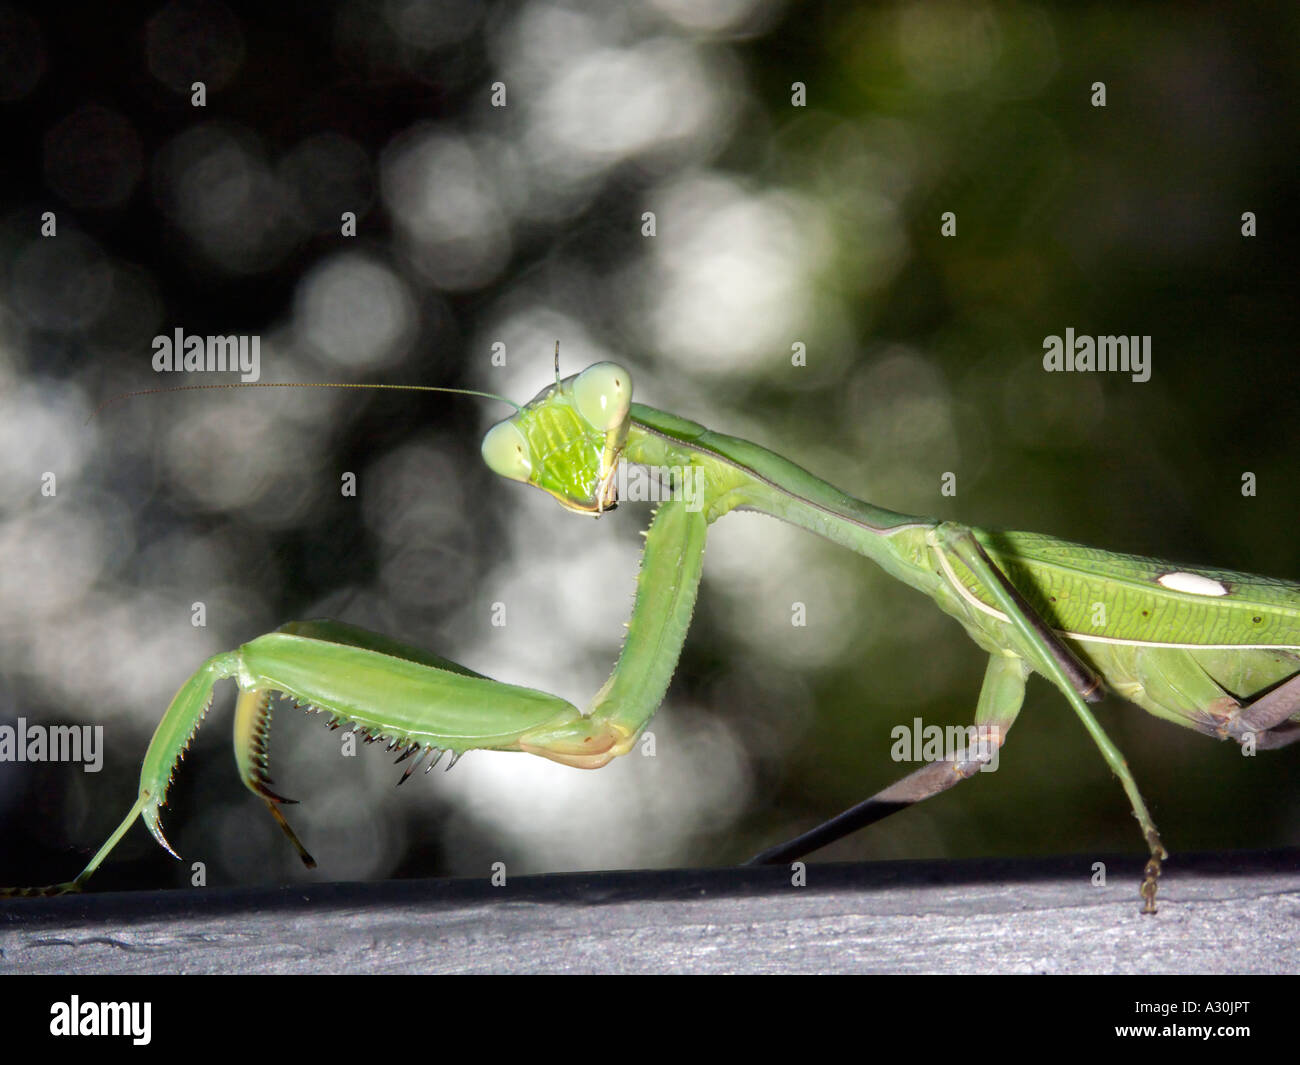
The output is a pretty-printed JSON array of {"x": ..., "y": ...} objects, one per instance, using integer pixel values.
[
  {"x": 735, "y": 273},
  {"x": 948, "y": 47},
  {"x": 51, "y": 555},
  {"x": 355, "y": 311},
  {"x": 445, "y": 200},
  {"x": 214, "y": 181},
  {"x": 616, "y": 102},
  {"x": 41, "y": 428}
]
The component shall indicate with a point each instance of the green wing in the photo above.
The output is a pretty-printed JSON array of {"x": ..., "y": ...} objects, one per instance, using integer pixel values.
[{"x": 1066, "y": 582}]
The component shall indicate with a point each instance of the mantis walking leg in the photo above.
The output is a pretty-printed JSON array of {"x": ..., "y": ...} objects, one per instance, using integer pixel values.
[
  {"x": 1265, "y": 716},
  {"x": 1000, "y": 700},
  {"x": 1038, "y": 637}
]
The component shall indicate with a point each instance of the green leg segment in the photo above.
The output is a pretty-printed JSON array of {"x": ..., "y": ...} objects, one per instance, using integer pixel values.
[
  {"x": 1048, "y": 653},
  {"x": 422, "y": 703}
]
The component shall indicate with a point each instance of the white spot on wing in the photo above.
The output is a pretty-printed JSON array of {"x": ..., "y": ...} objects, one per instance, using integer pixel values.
[{"x": 1191, "y": 583}]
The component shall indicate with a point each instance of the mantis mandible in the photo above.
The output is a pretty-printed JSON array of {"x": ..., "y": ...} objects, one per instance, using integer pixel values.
[{"x": 1212, "y": 650}]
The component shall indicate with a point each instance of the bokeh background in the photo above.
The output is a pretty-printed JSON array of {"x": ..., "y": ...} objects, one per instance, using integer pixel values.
[{"x": 478, "y": 226}]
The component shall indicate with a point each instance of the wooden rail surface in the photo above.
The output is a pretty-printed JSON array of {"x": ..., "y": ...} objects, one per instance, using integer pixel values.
[{"x": 1232, "y": 913}]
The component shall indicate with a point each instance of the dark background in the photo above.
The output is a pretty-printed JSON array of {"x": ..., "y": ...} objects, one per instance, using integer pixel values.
[{"x": 520, "y": 225}]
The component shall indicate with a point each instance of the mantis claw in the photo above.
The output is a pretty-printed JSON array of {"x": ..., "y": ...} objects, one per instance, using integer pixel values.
[
  {"x": 1151, "y": 873},
  {"x": 260, "y": 788},
  {"x": 153, "y": 822}
]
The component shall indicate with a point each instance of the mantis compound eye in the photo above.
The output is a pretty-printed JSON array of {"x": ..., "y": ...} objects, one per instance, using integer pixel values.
[
  {"x": 603, "y": 394},
  {"x": 506, "y": 452}
]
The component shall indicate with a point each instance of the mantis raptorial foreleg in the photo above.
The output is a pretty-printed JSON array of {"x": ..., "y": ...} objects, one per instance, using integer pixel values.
[
  {"x": 1001, "y": 696},
  {"x": 423, "y": 703},
  {"x": 666, "y": 590}
]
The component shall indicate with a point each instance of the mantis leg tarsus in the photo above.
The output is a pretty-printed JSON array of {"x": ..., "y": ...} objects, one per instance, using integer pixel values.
[
  {"x": 143, "y": 806},
  {"x": 68, "y": 887},
  {"x": 1001, "y": 697},
  {"x": 307, "y": 859},
  {"x": 1148, "y": 889},
  {"x": 927, "y": 781}
]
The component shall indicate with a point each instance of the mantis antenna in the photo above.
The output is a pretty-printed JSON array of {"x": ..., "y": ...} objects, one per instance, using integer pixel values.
[{"x": 305, "y": 384}]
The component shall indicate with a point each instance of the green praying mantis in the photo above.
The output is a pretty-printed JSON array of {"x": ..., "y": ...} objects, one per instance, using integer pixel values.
[{"x": 1212, "y": 650}]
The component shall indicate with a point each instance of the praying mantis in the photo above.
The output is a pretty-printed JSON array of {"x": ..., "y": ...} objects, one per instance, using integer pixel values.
[{"x": 1212, "y": 650}]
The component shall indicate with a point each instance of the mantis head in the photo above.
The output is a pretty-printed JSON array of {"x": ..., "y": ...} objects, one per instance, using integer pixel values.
[{"x": 568, "y": 439}]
